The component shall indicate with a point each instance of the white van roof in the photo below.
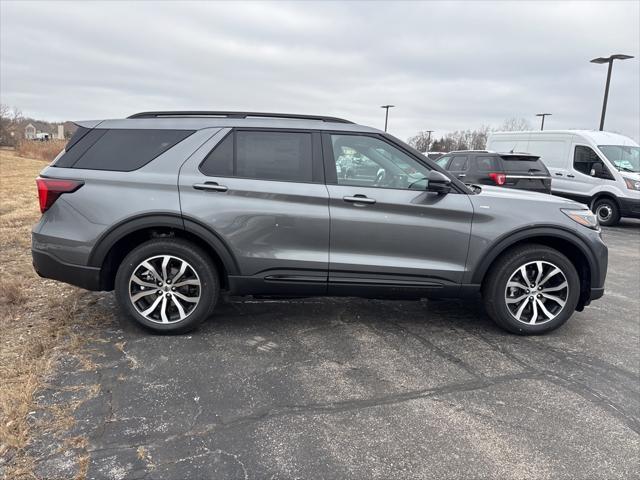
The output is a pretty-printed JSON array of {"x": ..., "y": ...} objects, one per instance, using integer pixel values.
[{"x": 596, "y": 136}]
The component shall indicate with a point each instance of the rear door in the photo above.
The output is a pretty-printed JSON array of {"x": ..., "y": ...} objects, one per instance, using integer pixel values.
[
  {"x": 458, "y": 166},
  {"x": 391, "y": 236},
  {"x": 526, "y": 172},
  {"x": 262, "y": 193}
]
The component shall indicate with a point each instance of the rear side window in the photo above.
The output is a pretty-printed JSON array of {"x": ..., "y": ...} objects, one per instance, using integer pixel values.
[
  {"x": 279, "y": 156},
  {"x": 523, "y": 164},
  {"x": 121, "y": 150},
  {"x": 458, "y": 163},
  {"x": 487, "y": 164}
]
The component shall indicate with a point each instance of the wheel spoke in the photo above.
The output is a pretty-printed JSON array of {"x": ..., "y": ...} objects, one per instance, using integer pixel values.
[
  {"x": 179, "y": 307},
  {"x": 558, "y": 300},
  {"x": 552, "y": 273},
  {"x": 140, "y": 295},
  {"x": 540, "y": 270},
  {"x": 185, "y": 298},
  {"x": 139, "y": 281},
  {"x": 534, "y": 315},
  {"x": 521, "y": 309},
  {"x": 556, "y": 288},
  {"x": 523, "y": 272},
  {"x": 186, "y": 282},
  {"x": 544, "y": 309},
  {"x": 153, "y": 306},
  {"x": 165, "y": 262},
  {"x": 163, "y": 310},
  {"x": 517, "y": 299},
  {"x": 152, "y": 271},
  {"x": 517, "y": 285},
  {"x": 183, "y": 268}
]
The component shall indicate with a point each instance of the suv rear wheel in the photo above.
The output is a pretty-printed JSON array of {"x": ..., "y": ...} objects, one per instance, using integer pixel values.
[
  {"x": 532, "y": 289},
  {"x": 167, "y": 285}
]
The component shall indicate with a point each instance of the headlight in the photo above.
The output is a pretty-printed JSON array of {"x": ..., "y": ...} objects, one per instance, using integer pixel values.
[
  {"x": 583, "y": 217},
  {"x": 632, "y": 184}
]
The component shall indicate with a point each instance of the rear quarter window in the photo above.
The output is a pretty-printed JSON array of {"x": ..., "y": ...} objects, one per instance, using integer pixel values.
[
  {"x": 487, "y": 164},
  {"x": 122, "y": 150}
]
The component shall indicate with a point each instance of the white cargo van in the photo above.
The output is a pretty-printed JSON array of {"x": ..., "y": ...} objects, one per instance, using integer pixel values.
[{"x": 599, "y": 169}]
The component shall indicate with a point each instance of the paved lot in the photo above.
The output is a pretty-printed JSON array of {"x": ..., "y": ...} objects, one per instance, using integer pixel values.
[{"x": 349, "y": 388}]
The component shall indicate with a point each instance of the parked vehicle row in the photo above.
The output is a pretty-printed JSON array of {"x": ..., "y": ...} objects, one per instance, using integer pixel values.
[{"x": 170, "y": 208}]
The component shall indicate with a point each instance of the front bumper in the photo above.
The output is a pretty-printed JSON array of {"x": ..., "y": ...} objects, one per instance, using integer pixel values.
[
  {"x": 629, "y": 207},
  {"x": 48, "y": 266}
]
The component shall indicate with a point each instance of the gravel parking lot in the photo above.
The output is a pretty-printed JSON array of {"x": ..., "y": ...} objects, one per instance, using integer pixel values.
[{"x": 351, "y": 388}]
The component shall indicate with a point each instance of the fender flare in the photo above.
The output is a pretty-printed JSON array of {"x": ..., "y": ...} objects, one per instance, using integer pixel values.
[
  {"x": 170, "y": 220},
  {"x": 525, "y": 233}
]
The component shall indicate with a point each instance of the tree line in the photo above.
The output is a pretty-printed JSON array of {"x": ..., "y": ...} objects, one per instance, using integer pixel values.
[{"x": 465, "y": 139}]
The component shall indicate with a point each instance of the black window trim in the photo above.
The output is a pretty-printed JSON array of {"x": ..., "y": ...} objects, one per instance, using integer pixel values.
[
  {"x": 609, "y": 175},
  {"x": 331, "y": 175},
  {"x": 317, "y": 172}
]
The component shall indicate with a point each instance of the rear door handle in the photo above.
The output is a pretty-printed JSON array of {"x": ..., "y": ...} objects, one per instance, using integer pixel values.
[
  {"x": 462, "y": 175},
  {"x": 571, "y": 176},
  {"x": 211, "y": 187},
  {"x": 359, "y": 199}
]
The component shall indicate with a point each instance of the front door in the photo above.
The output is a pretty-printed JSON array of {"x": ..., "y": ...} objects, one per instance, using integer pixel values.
[{"x": 388, "y": 234}]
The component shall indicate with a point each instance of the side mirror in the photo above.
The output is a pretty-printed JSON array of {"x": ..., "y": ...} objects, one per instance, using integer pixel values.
[
  {"x": 596, "y": 170},
  {"x": 438, "y": 183}
]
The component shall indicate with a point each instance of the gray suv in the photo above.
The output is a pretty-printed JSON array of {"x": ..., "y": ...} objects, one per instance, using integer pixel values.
[{"x": 171, "y": 208}]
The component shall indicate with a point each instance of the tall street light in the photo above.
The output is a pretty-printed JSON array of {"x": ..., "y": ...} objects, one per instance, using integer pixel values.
[
  {"x": 386, "y": 115},
  {"x": 542, "y": 115},
  {"x": 429, "y": 139},
  {"x": 608, "y": 60}
]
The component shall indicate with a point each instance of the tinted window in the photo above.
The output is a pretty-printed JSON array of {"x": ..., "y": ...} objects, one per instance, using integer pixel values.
[
  {"x": 370, "y": 162},
  {"x": 486, "y": 164},
  {"x": 120, "y": 150},
  {"x": 220, "y": 161},
  {"x": 284, "y": 156},
  {"x": 584, "y": 158},
  {"x": 458, "y": 163},
  {"x": 523, "y": 164}
]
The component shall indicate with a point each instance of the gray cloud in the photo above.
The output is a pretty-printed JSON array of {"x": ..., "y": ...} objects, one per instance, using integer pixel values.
[{"x": 446, "y": 65}]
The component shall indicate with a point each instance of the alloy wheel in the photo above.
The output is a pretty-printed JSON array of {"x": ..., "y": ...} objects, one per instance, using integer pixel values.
[
  {"x": 536, "y": 292},
  {"x": 164, "y": 289},
  {"x": 604, "y": 212}
]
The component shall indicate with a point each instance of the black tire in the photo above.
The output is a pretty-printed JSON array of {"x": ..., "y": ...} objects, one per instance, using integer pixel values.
[
  {"x": 607, "y": 211},
  {"x": 197, "y": 259},
  {"x": 495, "y": 285}
]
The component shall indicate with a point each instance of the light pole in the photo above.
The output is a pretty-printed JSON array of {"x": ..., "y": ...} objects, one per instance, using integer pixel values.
[
  {"x": 429, "y": 140},
  {"x": 386, "y": 115},
  {"x": 608, "y": 60},
  {"x": 542, "y": 115}
]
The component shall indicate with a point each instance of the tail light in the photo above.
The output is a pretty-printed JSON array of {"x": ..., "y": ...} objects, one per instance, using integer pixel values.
[
  {"x": 49, "y": 189},
  {"x": 498, "y": 178}
]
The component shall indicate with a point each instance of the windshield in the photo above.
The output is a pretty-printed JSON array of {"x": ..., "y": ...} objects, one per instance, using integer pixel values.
[{"x": 625, "y": 158}]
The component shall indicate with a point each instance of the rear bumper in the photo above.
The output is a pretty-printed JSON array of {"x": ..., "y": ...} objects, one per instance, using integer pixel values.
[
  {"x": 629, "y": 207},
  {"x": 81, "y": 276}
]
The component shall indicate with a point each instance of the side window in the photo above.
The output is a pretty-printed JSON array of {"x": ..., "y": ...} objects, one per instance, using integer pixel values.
[
  {"x": 366, "y": 161},
  {"x": 458, "y": 163},
  {"x": 585, "y": 160},
  {"x": 486, "y": 164},
  {"x": 443, "y": 161},
  {"x": 262, "y": 155}
]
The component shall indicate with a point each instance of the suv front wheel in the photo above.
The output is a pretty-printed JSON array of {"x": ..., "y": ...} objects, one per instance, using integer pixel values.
[
  {"x": 167, "y": 285},
  {"x": 532, "y": 289}
]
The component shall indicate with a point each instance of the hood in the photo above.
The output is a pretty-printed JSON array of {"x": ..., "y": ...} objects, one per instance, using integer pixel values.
[
  {"x": 507, "y": 194},
  {"x": 632, "y": 175}
]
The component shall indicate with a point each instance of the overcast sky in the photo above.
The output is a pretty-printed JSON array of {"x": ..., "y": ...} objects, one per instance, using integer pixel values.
[{"x": 446, "y": 65}]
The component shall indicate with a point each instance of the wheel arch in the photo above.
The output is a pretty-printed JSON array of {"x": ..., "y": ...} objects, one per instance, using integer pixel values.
[
  {"x": 600, "y": 195},
  {"x": 562, "y": 240},
  {"x": 114, "y": 245}
]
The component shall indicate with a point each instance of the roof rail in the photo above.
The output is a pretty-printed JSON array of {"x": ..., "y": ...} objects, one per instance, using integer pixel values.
[{"x": 198, "y": 113}]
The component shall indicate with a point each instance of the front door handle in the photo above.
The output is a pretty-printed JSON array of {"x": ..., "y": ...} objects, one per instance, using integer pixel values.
[
  {"x": 359, "y": 198},
  {"x": 211, "y": 186},
  {"x": 559, "y": 174}
]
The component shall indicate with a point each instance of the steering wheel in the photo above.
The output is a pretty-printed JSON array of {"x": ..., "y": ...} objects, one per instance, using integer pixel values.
[{"x": 380, "y": 177}]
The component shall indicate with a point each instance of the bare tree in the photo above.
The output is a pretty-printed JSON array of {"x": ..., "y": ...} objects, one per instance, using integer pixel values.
[
  {"x": 420, "y": 141},
  {"x": 515, "y": 125}
]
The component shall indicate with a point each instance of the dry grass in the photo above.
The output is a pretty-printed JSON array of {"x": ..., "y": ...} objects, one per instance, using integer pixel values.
[
  {"x": 40, "y": 150},
  {"x": 36, "y": 315}
]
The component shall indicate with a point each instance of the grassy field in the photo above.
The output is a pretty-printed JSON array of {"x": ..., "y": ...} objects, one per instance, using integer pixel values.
[{"x": 37, "y": 316}]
